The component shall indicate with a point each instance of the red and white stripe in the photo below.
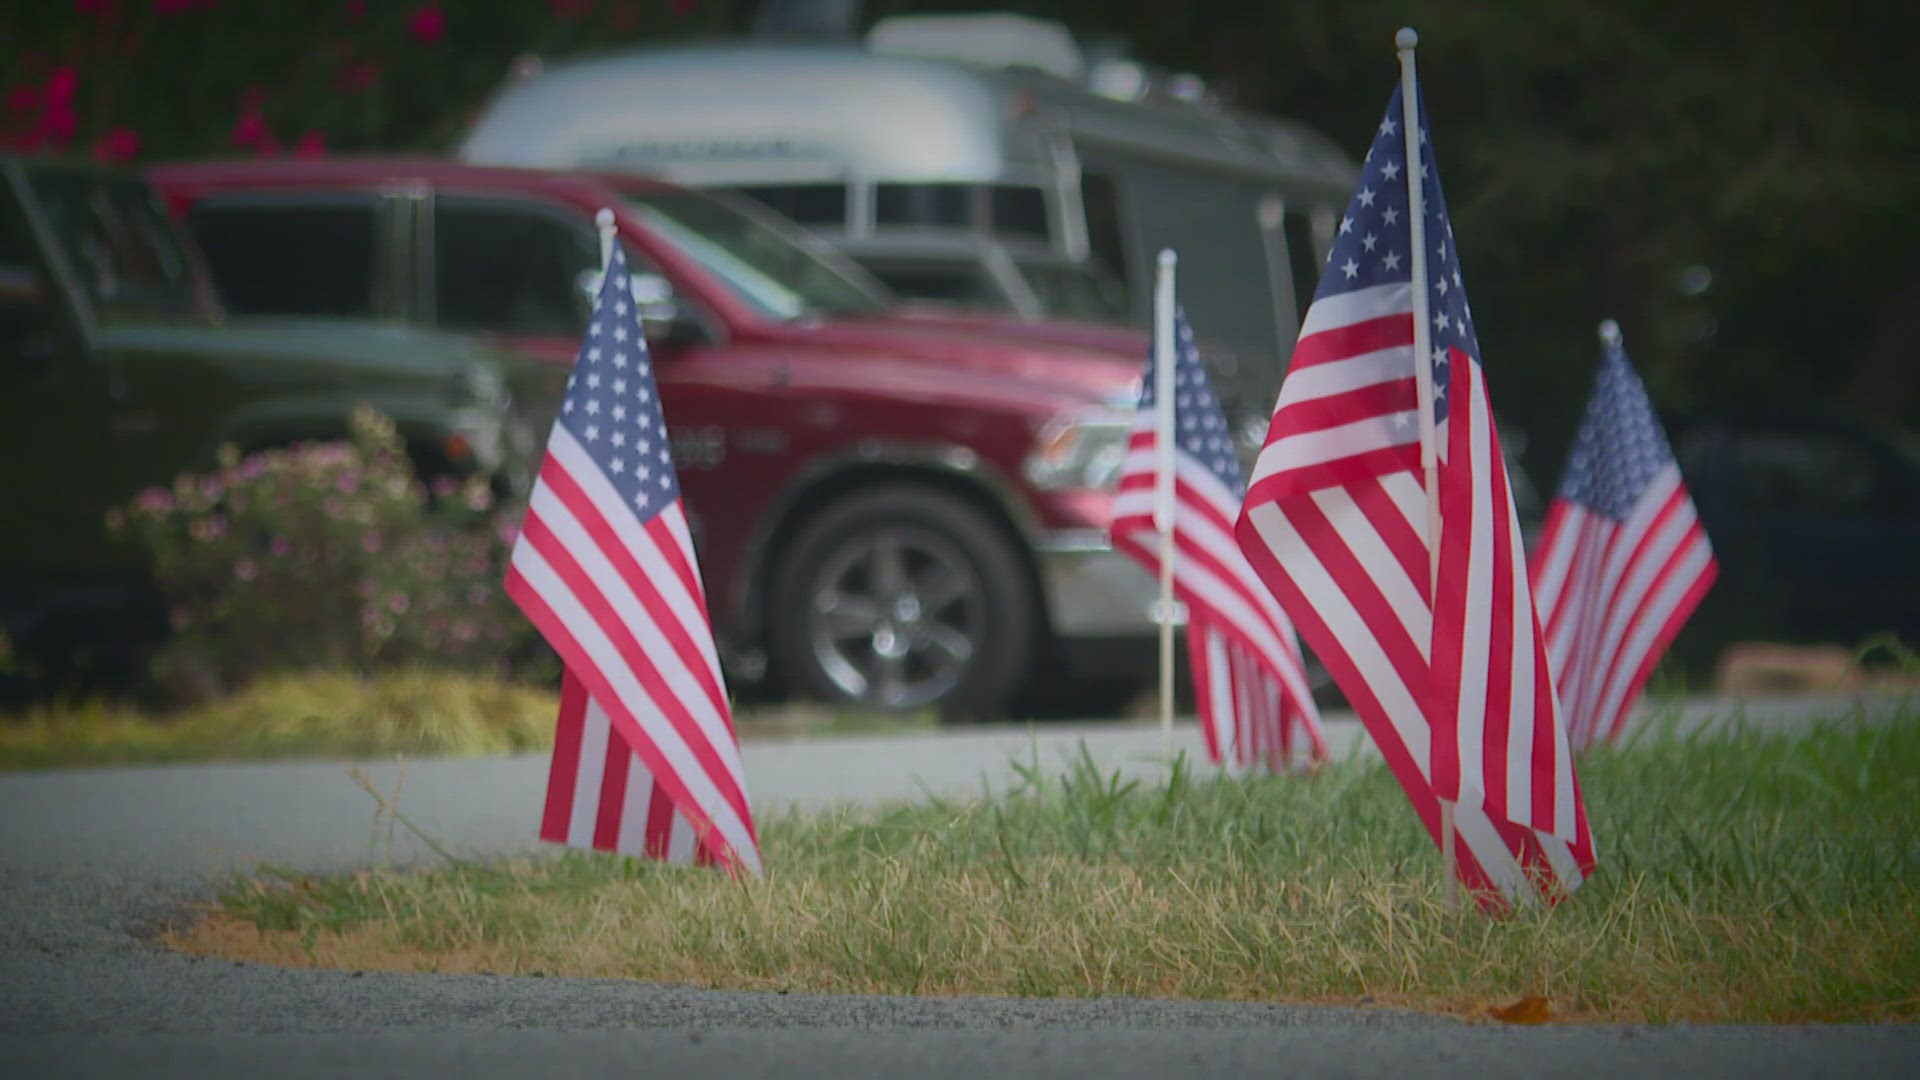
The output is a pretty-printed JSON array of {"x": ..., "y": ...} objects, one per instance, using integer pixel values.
[
  {"x": 600, "y": 794},
  {"x": 1498, "y": 740},
  {"x": 619, "y": 598},
  {"x": 1335, "y": 523},
  {"x": 1613, "y": 594},
  {"x": 1250, "y": 682}
]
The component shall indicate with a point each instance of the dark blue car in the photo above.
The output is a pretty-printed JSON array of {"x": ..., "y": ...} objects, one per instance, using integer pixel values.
[{"x": 1815, "y": 520}]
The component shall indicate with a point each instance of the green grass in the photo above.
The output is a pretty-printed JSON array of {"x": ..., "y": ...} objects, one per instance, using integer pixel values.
[
  {"x": 1742, "y": 878},
  {"x": 293, "y": 716}
]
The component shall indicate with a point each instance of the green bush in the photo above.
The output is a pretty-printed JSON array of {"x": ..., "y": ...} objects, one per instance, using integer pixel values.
[{"x": 325, "y": 556}]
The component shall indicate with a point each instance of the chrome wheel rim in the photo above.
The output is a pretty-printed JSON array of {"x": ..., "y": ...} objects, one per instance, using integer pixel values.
[{"x": 895, "y": 617}]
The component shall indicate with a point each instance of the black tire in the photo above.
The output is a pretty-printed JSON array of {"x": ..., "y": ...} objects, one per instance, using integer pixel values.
[{"x": 873, "y": 599}]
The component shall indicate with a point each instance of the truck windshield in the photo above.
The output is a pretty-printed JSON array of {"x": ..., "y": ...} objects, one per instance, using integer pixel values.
[
  {"x": 776, "y": 276},
  {"x": 119, "y": 241}
]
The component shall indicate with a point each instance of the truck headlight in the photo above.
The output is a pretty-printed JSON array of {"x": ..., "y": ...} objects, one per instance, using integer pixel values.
[{"x": 1086, "y": 451}]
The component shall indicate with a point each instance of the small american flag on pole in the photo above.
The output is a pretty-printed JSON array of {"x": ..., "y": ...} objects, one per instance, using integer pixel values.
[
  {"x": 1623, "y": 559},
  {"x": 1438, "y": 649},
  {"x": 1249, "y": 682},
  {"x": 645, "y": 760}
]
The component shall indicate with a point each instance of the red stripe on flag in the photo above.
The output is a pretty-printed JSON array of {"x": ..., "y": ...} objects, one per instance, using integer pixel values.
[
  {"x": 1339, "y": 343},
  {"x": 613, "y": 794},
  {"x": 563, "y": 641},
  {"x": 563, "y": 773},
  {"x": 557, "y": 554},
  {"x": 607, "y": 540}
]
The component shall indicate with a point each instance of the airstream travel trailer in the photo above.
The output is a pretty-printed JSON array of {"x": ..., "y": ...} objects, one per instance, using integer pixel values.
[{"x": 970, "y": 158}]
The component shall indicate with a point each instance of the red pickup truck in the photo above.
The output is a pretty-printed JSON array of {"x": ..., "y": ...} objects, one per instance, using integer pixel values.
[{"x": 893, "y": 508}]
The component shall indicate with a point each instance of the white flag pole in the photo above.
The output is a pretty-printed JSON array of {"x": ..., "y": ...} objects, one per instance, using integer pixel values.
[
  {"x": 1163, "y": 496},
  {"x": 604, "y": 220},
  {"x": 1404, "y": 43}
]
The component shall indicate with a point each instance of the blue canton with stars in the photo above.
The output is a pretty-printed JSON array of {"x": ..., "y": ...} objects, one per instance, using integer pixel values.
[
  {"x": 1620, "y": 447},
  {"x": 1375, "y": 239},
  {"x": 1199, "y": 427},
  {"x": 612, "y": 405}
]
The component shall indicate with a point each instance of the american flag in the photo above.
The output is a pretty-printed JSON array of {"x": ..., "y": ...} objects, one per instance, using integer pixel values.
[
  {"x": 645, "y": 761},
  {"x": 1623, "y": 559},
  {"x": 1249, "y": 683},
  {"x": 1440, "y": 654}
]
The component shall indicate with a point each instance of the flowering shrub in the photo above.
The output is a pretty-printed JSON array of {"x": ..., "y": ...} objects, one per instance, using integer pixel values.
[
  {"x": 325, "y": 555},
  {"x": 167, "y": 78}
]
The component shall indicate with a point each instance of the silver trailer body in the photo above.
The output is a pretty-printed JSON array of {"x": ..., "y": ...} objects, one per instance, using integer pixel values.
[{"x": 958, "y": 180}]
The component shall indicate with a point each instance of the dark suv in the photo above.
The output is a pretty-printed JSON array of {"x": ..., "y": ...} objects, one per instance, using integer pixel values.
[{"x": 118, "y": 370}]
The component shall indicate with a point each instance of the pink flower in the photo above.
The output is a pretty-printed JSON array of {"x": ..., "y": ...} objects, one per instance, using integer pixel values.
[
  {"x": 359, "y": 75},
  {"x": 245, "y": 570},
  {"x": 348, "y": 483},
  {"x": 250, "y": 132},
  {"x": 427, "y": 23},
  {"x": 371, "y": 542},
  {"x": 280, "y": 546},
  {"x": 118, "y": 145},
  {"x": 397, "y": 604},
  {"x": 154, "y": 501},
  {"x": 58, "y": 124},
  {"x": 311, "y": 145},
  {"x": 61, "y": 85}
]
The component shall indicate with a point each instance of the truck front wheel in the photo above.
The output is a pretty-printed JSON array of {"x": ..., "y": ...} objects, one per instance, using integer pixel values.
[{"x": 904, "y": 597}]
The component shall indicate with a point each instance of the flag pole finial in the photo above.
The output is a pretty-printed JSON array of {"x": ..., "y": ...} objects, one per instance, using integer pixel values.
[
  {"x": 1610, "y": 333},
  {"x": 1168, "y": 258},
  {"x": 1406, "y": 39},
  {"x": 603, "y": 220}
]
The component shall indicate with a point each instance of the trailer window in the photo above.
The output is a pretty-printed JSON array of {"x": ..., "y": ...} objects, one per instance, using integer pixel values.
[
  {"x": 943, "y": 206},
  {"x": 1019, "y": 210},
  {"x": 805, "y": 204}
]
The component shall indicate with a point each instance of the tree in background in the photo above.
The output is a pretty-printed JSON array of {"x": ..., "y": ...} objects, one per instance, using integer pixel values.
[
  {"x": 148, "y": 79},
  {"x": 1735, "y": 182}
]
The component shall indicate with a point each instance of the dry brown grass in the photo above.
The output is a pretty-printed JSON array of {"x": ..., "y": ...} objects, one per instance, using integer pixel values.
[{"x": 1755, "y": 880}]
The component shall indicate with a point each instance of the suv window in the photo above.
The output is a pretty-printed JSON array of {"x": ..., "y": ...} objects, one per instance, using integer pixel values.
[
  {"x": 310, "y": 256},
  {"x": 510, "y": 267}
]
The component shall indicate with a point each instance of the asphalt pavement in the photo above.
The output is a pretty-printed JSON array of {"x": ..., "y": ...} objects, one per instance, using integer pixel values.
[{"x": 93, "y": 862}]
